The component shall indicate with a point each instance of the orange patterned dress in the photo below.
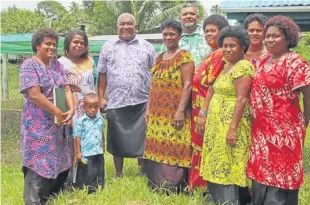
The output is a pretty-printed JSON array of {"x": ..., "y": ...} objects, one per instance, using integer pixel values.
[
  {"x": 164, "y": 144},
  {"x": 205, "y": 74}
]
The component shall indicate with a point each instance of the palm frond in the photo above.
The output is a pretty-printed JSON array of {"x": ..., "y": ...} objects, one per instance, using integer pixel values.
[
  {"x": 147, "y": 11},
  {"x": 146, "y": 5},
  {"x": 133, "y": 8},
  {"x": 168, "y": 13},
  {"x": 113, "y": 8}
]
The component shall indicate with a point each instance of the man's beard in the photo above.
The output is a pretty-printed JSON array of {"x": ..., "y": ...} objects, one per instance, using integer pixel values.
[{"x": 189, "y": 25}]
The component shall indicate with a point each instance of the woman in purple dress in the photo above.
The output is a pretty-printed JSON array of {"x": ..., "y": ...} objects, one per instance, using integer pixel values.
[{"x": 45, "y": 150}]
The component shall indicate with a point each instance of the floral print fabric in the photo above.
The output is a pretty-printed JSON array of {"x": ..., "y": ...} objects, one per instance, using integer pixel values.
[
  {"x": 221, "y": 163},
  {"x": 195, "y": 44},
  {"x": 127, "y": 66}
]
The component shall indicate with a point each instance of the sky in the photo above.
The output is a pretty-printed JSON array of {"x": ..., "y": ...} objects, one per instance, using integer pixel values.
[{"x": 32, "y": 4}]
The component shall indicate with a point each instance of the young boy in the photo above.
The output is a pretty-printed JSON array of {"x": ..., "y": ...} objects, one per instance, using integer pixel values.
[{"x": 89, "y": 145}]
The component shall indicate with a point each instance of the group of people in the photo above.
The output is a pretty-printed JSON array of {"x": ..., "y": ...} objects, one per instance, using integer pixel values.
[{"x": 218, "y": 112}]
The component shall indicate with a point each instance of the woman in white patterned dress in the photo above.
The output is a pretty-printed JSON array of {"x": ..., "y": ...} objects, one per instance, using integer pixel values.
[{"x": 81, "y": 73}]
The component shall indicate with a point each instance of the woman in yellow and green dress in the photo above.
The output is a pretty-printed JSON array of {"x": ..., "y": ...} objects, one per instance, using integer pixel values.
[
  {"x": 168, "y": 139},
  {"x": 228, "y": 127}
]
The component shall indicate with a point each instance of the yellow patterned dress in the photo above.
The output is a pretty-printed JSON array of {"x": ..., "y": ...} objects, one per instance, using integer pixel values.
[
  {"x": 221, "y": 163},
  {"x": 165, "y": 147}
]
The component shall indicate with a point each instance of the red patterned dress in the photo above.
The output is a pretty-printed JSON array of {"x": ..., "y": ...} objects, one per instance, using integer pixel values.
[
  {"x": 205, "y": 74},
  {"x": 278, "y": 124}
]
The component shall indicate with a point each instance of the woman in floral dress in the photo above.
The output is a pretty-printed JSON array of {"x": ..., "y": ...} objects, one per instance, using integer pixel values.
[{"x": 168, "y": 139}]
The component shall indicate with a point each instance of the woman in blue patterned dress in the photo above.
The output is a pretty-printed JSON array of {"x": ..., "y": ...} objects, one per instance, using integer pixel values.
[{"x": 45, "y": 147}]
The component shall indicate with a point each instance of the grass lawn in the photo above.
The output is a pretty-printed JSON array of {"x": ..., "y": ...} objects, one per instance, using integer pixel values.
[{"x": 129, "y": 190}]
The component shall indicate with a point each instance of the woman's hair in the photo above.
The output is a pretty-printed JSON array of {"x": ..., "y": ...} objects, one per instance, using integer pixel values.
[
  {"x": 235, "y": 31},
  {"x": 69, "y": 38},
  {"x": 39, "y": 35},
  {"x": 254, "y": 17},
  {"x": 288, "y": 26},
  {"x": 171, "y": 23},
  {"x": 215, "y": 19}
]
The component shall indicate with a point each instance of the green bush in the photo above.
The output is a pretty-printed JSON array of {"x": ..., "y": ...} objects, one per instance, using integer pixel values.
[{"x": 303, "y": 47}]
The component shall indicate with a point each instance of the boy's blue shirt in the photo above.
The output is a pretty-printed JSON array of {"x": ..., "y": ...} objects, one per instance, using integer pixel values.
[{"x": 90, "y": 131}]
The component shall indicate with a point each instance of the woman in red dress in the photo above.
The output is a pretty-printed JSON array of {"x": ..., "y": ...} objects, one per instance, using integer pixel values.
[
  {"x": 279, "y": 125},
  {"x": 205, "y": 74}
]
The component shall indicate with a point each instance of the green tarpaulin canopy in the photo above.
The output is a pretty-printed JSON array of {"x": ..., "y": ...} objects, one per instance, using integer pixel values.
[{"x": 21, "y": 44}]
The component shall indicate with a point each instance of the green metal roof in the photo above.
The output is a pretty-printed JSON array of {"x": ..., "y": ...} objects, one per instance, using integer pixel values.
[
  {"x": 299, "y": 10},
  {"x": 263, "y": 3}
]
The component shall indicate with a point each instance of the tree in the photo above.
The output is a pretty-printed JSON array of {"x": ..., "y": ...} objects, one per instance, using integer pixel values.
[
  {"x": 88, "y": 5},
  {"x": 71, "y": 19},
  {"x": 14, "y": 20},
  {"x": 149, "y": 14},
  {"x": 216, "y": 9},
  {"x": 51, "y": 8},
  {"x": 102, "y": 20},
  {"x": 303, "y": 47}
]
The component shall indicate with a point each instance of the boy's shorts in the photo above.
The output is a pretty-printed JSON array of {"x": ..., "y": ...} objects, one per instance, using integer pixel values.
[{"x": 91, "y": 174}]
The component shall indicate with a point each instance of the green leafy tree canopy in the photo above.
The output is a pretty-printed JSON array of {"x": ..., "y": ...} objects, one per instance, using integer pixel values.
[
  {"x": 150, "y": 14},
  {"x": 15, "y": 20},
  {"x": 51, "y": 8}
]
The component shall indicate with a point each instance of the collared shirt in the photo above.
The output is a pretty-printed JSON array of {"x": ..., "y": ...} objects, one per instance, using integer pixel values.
[
  {"x": 195, "y": 43},
  {"x": 90, "y": 131},
  {"x": 127, "y": 66}
]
